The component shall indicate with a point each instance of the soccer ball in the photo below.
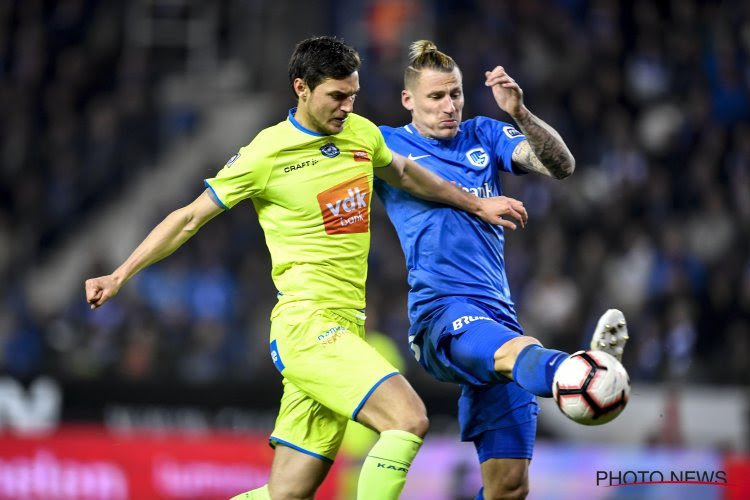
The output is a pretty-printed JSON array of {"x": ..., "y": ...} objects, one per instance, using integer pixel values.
[{"x": 591, "y": 387}]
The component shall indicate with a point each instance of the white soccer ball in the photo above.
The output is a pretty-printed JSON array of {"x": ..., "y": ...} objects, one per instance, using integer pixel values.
[{"x": 591, "y": 387}]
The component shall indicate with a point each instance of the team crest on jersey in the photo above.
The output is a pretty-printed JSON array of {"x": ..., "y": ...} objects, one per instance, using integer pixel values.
[
  {"x": 346, "y": 207},
  {"x": 511, "y": 132},
  {"x": 478, "y": 157},
  {"x": 232, "y": 159},
  {"x": 330, "y": 150}
]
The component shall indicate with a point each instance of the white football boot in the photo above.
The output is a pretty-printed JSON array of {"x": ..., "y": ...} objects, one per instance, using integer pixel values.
[{"x": 610, "y": 334}]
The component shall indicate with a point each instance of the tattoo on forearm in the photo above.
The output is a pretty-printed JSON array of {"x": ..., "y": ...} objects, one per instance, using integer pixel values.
[{"x": 545, "y": 151}]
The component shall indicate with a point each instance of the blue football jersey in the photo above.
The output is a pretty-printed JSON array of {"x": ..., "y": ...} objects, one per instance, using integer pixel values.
[{"x": 450, "y": 253}]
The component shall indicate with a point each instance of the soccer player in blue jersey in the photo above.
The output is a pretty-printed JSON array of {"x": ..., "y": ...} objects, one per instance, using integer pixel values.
[{"x": 464, "y": 327}]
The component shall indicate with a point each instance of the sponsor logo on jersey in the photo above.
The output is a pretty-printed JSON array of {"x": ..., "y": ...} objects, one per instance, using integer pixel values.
[
  {"x": 302, "y": 164},
  {"x": 346, "y": 206},
  {"x": 465, "y": 320},
  {"x": 232, "y": 159},
  {"x": 483, "y": 191},
  {"x": 360, "y": 155},
  {"x": 511, "y": 132},
  {"x": 415, "y": 158},
  {"x": 330, "y": 336},
  {"x": 330, "y": 150},
  {"x": 478, "y": 157}
]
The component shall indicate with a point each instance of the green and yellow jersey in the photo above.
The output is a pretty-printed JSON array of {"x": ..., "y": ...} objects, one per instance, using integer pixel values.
[{"x": 312, "y": 193}]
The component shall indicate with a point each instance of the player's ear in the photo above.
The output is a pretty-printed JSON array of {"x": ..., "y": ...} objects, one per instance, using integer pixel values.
[
  {"x": 406, "y": 100},
  {"x": 300, "y": 88}
]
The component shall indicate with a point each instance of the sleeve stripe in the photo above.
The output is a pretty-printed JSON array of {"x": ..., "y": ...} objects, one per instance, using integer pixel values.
[{"x": 214, "y": 196}]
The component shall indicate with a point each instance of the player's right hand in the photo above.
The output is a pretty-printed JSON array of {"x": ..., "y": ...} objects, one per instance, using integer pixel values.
[
  {"x": 494, "y": 208},
  {"x": 100, "y": 290}
]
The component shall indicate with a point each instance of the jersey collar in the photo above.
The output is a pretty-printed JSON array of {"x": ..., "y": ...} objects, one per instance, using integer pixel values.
[{"x": 300, "y": 126}]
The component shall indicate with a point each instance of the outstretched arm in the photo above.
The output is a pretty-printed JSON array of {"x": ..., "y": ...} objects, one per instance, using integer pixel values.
[
  {"x": 543, "y": 151},
  {"x": 164, "y": 239},
  {"x": 416, "y": 180}
]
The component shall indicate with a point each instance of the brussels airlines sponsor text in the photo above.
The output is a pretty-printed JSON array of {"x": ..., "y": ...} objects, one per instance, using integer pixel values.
[{"x": 465, "y": 320}]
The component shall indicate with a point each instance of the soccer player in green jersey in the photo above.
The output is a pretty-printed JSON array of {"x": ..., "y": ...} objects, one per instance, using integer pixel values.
[{"x": 310, "y": 179}]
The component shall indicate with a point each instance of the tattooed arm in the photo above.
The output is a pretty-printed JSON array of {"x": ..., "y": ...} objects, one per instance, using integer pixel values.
[{"x": 543, "y": 151}]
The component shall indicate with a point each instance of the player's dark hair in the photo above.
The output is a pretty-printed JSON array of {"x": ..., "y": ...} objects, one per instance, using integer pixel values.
[
  {"x": 424, "y": 54},
  {"x": 320, "y": 57}
]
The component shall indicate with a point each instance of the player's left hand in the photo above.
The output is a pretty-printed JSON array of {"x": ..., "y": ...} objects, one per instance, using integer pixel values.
[
  {"x": 100, "y": 290},
  {"x": 493, "y": 209},
  {"x": 508, "y": 94}
]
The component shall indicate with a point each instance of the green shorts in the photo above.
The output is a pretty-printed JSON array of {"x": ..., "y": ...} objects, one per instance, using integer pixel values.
[{"x": 329, "y": 372}]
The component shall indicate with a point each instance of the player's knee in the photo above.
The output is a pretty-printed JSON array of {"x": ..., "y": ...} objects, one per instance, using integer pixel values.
[
  {"x": 511, "y": 486},
  {"x": 414, "y": 422},
  {"x": 395, "y": 406},
  {"x": 506, "y": 356},
  {"x": 418, "y": 424}
]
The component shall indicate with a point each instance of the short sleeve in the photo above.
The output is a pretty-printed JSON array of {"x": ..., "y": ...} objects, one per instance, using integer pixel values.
[
  {"x": 504, "y": 137},
  {"x": 244, "y": 176},
  {"x": 381, "y": 155}
]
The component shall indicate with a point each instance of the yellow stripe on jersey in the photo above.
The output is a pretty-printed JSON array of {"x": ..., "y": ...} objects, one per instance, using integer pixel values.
[{"x": 312, "y": 194}]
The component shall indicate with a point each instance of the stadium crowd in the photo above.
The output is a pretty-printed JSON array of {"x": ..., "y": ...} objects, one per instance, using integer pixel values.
[{"x": 653, "y": 99}]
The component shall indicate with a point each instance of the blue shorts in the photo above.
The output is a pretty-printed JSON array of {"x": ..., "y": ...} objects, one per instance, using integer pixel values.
[
  {"x": 516, "y": 441},
  {"x": 457, "y": 345}
]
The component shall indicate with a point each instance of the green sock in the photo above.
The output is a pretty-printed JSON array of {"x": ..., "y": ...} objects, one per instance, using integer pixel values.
[
  {"x": 384, "y": 470},
  {"x": 256, "y": 494}
]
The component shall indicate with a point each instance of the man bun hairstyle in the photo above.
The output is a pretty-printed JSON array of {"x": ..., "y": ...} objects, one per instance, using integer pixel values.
[
  {"x": 424, "y": 54},
  {"x": 320, "y": 57}
]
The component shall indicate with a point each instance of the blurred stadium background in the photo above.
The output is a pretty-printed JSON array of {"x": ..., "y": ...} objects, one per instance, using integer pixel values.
[{"x": 114, "y": 112}]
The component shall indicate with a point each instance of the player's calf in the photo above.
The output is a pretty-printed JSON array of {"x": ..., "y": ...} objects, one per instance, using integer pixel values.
[{"x": 535, "y": 366}]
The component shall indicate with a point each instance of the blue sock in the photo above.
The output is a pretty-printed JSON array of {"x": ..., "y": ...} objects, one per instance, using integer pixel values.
[
  {"x": 480, "y": 496},
  {"x": 535, "y": 369}
]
